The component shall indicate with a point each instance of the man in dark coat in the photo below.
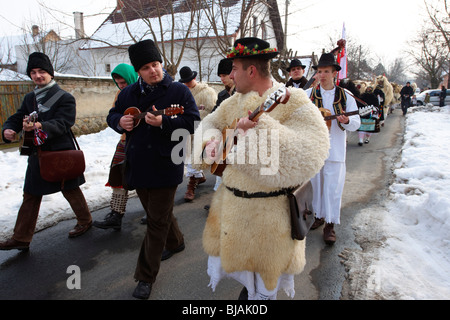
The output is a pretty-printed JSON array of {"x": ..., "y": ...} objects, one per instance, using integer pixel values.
[
  {"x": 55, "y": 119},
  {"x": 296, "y": 70},
  {"x": 406, "y": 93},
  {"x": 442, "y": 96},
  {"x": 154, "y": 166},
  {"x": 223, "y": 71}
]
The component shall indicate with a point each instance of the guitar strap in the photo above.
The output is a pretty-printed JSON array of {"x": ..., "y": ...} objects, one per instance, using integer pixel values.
[{"x": 339, "y": 104}]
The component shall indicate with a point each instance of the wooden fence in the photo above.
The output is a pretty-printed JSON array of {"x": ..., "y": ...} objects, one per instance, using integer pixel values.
[{"x": 11, "y": 97}]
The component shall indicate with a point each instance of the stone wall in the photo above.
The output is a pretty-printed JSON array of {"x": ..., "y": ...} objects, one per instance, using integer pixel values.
[{"x": 94, "y": 97}]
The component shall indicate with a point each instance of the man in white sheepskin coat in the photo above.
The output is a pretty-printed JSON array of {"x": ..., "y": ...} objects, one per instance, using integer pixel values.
[{"x": 248, "y": 232}]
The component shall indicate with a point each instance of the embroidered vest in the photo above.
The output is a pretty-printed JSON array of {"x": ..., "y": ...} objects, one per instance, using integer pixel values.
[{"x": 339, "y": 103}]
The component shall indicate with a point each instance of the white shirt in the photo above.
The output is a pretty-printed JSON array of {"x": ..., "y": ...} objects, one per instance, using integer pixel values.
[{"x": 338, "y": 137}]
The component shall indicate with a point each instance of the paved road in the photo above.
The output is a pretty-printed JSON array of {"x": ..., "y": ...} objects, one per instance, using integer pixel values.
[{"x": 107, "y": 258}]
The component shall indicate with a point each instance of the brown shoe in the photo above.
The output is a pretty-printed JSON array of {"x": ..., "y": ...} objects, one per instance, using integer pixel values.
[
  {"x": 329, "y": 236},
  {"x": 317, "y": 223},
  {"x": 190, "y": 192},
  {"x": 201, "y": 180},
  {"x": 14, "y": 244},
  {"x": 78, "y": 230}
]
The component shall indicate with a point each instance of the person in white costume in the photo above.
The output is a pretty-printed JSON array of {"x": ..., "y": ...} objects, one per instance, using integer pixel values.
[
  {"x": 247, "y": 233},
  {"x": 205, "y": 97},
  {"x": 328, "y": 184}
]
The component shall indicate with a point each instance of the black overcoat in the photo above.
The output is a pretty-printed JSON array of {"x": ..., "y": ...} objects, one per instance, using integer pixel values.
[
  {"x": 149, "y": 157},
  {"x": 56, "y": 122}
]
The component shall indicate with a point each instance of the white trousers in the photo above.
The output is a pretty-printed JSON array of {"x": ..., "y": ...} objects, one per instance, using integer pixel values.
[
  {"x": 191, "y": 172},
  {"x": 328, "y": 186}
]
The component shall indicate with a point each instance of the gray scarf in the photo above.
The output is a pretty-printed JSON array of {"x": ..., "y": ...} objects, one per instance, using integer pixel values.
[{"x": 41, "y": 93}]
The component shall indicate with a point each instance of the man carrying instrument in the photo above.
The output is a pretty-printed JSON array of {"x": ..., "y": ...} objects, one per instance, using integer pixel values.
[
  {"x": 328, "y": 184},
  {"x": 151, "y": 167},
  {"x": 56, "y": 110},
  {"x": 248, "y": 231}
]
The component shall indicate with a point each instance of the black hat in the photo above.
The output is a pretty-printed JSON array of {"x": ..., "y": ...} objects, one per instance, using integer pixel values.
[
  {"x": 187, "y": 74},
  {"x": 326, "y": 60},
  {"x": 295, "y": 63},
  {"x": 41, "y": 61},
  {"x": 225, "y": 66},
  {"x": 252, "y": 48},
  {"x": 143, "y": 52}
]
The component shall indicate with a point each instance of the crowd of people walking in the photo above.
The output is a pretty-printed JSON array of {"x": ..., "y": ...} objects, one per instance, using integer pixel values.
[{"x": 248, "y": 203}]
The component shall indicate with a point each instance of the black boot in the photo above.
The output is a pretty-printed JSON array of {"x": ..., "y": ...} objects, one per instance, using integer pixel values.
[{"x": 112, "y": 220}]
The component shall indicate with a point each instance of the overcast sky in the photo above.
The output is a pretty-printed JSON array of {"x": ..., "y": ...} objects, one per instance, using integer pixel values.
[{"x": 383, "y": 26}]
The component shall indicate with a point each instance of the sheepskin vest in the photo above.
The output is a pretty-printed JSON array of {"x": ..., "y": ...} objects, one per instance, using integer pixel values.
[
  {"x": 206, "y": 96},
  {"x": 291, "y": 147}
]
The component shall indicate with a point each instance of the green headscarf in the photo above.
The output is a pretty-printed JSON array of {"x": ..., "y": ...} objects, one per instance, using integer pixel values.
[{"x": 125, "y": 71}]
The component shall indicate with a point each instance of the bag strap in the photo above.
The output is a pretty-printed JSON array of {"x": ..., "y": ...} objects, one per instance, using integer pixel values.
[
  {"x": 74, "y": 139},
  {"x": 50, "y": 102}
]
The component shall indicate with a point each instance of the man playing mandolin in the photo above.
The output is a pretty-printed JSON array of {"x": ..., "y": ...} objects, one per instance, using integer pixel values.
[
  {"x": 328, "y": 184},
  {"x": 248, "y": 231},
  {"x": 150, "y": 168}
]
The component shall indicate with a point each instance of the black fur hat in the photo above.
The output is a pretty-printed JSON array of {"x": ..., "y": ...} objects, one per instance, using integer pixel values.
[
  {"x": 41, "y": 61},
  {"x": 225, "y": 66},
  {"x": 143, "y": 52}
]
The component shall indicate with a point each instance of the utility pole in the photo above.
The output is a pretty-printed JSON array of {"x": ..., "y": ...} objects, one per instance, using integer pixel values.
[{"x": 286, "y": 24}]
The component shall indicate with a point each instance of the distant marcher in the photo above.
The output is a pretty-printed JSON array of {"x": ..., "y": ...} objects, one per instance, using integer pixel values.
[
  {"x": 406, "y": 93},
  {"x": 223, "y": 71},
  {"x": 296, "y": 70},
  {"x": 372, "y": 100},
  {"x": 123, "y": 75},
  {"x": 205, "y": 98},
  {"x": 56, "y": 121},
  {"x": 442, "y": 96}
]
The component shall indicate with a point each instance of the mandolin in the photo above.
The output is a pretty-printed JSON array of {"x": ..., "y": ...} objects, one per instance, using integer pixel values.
[
  {"x": 26, "y": 146},
  {"x": 229, "y": 133},
  {"x": 173, "y": 110},
  {"x": 327, "y": 116}
]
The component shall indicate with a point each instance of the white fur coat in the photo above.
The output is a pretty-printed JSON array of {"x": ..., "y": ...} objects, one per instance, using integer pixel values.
[
  {"x": 291, "y": 146},
  {"x": 206, "y": 96}
]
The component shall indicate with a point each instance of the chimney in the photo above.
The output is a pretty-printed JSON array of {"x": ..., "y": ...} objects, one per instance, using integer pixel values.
[
  {"x": 79, "y": 25},
  {"x": 35, "y": 30}
]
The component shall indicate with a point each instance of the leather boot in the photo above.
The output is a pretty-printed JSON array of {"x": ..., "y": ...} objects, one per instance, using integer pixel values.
[
  {"x": 329, "y": 236},
  {"x": 112, "y": 220},
  {"x": 190, "y": 192},
  {"x": 317, "y": 223},
  {"x": 14, "y": 244}
]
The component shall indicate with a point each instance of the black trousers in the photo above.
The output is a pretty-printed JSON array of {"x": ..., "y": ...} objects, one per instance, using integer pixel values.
[{"x": 162, "y": 231}]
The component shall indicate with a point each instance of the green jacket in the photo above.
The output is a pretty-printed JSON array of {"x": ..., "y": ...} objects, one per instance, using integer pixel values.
[{"x": 125, "y": 71}]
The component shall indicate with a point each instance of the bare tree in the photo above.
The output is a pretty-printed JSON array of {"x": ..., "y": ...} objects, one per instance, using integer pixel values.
[
  {"x": 396, "y": 71},
  {"x": 167, "y": 37},
  {"x": 439, "y": 14},
  {"x": 430, "y": 54}
]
